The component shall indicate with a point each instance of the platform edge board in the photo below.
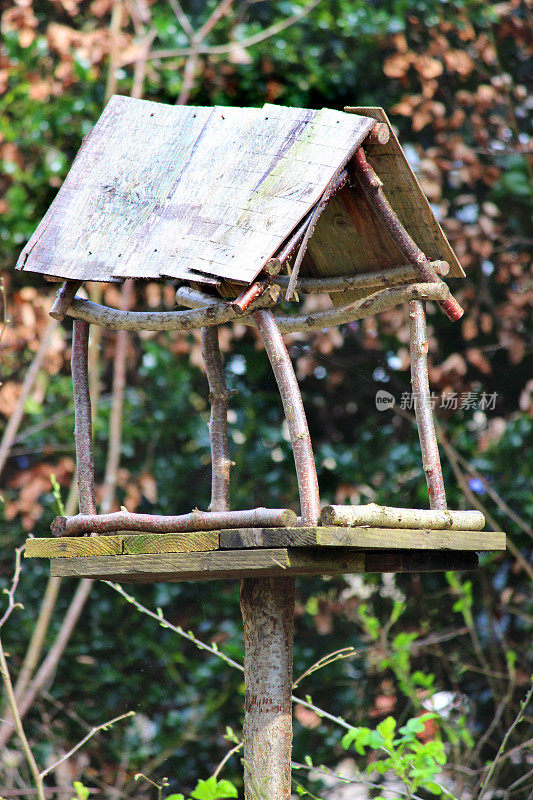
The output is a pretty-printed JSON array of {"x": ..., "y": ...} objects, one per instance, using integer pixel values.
[
  {"x": 120, "y": 544},
  {"x": 209, "y": 565},
  {"x": 257, "y": 538},
  {"x": 234, "y": 564},
  {"x": 79, "y": 546},
  {"x": 363, "y": 538}
]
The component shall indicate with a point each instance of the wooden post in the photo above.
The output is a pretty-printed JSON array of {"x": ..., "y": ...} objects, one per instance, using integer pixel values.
[
  {"x": 83, "y": 433},
  {"x": 422, "y": 402},
  {"x": 267, "y": 607},
  {"x": 219, "y": 395}
]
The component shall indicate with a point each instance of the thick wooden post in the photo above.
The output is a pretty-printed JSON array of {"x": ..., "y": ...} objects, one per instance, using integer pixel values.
[
  {"x": 267, "y": 607},
  {"x": 422, "y": 403},
  {"x": 82, "y": 417}
]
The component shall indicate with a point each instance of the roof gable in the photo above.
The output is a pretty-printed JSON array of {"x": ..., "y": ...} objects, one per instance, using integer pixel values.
[{"x": 179, "y": 191}]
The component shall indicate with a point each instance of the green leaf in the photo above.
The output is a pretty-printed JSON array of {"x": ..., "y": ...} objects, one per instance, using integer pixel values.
[
  {"x": 175, "y": 797},
  {"x": 387, "y": 728},
  {"x": 211, "y": 789},
  {"x": 82, "y": 793}
]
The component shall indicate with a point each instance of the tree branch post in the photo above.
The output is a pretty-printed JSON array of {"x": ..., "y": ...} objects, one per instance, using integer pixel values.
[
  {"x": 267, "y": 607},
  {"x": 82, "y": 417},
  {"x": 422, "y": 403},
  {"x": 219, "y": 395}
]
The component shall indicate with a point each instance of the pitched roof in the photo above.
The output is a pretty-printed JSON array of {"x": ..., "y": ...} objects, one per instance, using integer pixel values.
[{"x": 159, "y": 190}]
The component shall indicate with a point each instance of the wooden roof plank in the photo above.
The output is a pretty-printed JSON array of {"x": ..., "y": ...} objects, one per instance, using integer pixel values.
[{"x": 160, "y": 190}]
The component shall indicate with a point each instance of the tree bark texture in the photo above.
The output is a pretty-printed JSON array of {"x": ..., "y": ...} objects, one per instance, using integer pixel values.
[
  {"x": 293, "y": 323},
  {"x": 83, "y": 433},
  {"x": 182, "y": 523},
  {"x": 372, "y": 187},
  {"x": 219, "y": 395},
  {"x": 413, "y": 518},
  {"x": 267, "y": 607},
  {"x": 294, "y": 414},
  {"x": 422, "y": 403}
]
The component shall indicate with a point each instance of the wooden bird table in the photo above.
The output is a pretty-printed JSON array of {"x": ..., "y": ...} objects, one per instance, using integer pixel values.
[{"x": 227, "y": 198}]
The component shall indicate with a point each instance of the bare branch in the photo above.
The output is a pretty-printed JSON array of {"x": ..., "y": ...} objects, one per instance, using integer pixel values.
[
  {"x": 423, "y": 408},
  {"x": 29, "y": 380},
  {"x": 155, "y": 523},
  {"x": 223, "y": 49},
  {"x": 372, "y": 186},
  {"x": 103, "y": 727},
  {"x": 392, "y": 276},
  {"x": 294, "y": 414}
]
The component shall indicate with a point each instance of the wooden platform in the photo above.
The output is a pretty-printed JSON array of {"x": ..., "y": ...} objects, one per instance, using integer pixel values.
[{"x": 213, "y": 555}]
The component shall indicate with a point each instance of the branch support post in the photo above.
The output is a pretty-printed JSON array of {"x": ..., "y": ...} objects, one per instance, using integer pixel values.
[{"x": 422, "y": 403}]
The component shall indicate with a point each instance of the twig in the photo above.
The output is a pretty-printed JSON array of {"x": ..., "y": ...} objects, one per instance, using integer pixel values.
[
  {"x": 219, "y": 395},
  {"x": 182, "y": 17},
  {"x": 389, "y": 517},
  {"x": 6, "y": 677},
  {"x": 325, "y": 661},
  {"x": 523, "y": 705},
  {"x": 103, "y": 727},
  {"x": 422, "y": 402},
  {"x": 294, "y": 414},
  {"x": 267, "y": 33},
  {"x": 11, "y": 604},
  {"x": 154, "y": 523},
  {"x": 15, "y": 419},
  {"x": 226, "y": 758},
  {"x": 372, "y": 186}
]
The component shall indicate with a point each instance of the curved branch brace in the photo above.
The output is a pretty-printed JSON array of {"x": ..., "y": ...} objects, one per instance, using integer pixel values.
[
  {"x": 423, "y": 409},
  {"x": 366, "y": 307},
  {"x": 372, "y": 187},
  {"x": 82, "y": 418},
  {"x": 219, "y": 395},
  {"x": 294, "y": 414}
]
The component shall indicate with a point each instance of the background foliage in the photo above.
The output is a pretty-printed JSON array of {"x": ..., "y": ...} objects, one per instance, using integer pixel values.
[{"x": 453, "y": 76}]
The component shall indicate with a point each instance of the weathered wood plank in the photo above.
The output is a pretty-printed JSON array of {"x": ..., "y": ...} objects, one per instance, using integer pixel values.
[
  {"x": 171, "y": 542},
  {"x": 160, "y": 190},
  {"x": 421, "y": 561},
  {"x": 383, "y": 539},
  {"x": 80, "y": 546},
  {"x": 237, "y": 564},
  {"x": 404, "y": 192},
  {"x": 364, "y": 538},
  {"x": 211, "y": 565}
]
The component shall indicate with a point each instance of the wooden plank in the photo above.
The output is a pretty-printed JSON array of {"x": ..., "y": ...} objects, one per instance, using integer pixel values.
[
  {"x": 211, "y": 565},
  {"x": 407, "y": 198},
  {"x": 364, "y": 538},
  {"x": 80, "y": 546},
  {"x": 160, "y": 190},
  {"x": 171, "y": 542},
  {"x": 421, "y": 561},
  {"x": 349, "y": 237}
]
